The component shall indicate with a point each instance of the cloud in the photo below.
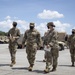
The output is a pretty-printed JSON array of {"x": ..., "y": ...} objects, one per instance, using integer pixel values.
[
  {"x": 24, "y": 25},
  {"x": 62, "y": 27},
  {"x": 15, "y": 17},
  {"x": 42, "y": 28},
  {"x": 7, "y": 24},
  {"x": 48, "y": 14},
  {"x": 7, "y": 17}
]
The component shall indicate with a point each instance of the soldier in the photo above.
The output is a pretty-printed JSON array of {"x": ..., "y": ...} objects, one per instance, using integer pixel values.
[
  {"x": 13, "y": 35},
  {"x": 66, "y": 40},
  {"x": 52, "y": 48},
  {"x": 71, "y": 43},
  {"x": 33, "y": 40}
]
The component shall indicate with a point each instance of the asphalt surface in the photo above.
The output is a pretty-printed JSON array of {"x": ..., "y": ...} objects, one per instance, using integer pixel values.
[{"x": 20, "y": 68}]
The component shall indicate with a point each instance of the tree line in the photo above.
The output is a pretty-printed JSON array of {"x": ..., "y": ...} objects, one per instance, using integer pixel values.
[{"x": 3, "y": 33}]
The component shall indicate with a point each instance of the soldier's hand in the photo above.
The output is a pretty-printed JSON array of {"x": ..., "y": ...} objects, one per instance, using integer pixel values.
[
  {"x": 16, "y": 37},
  {"x": 10, "y": 38},
  {"x": 48, "y": 46}
]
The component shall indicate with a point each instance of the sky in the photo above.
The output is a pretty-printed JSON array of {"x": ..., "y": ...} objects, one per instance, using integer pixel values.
[{"x": 60, "y": 12}]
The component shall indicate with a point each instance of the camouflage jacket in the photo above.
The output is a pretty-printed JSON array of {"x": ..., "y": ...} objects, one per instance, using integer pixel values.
[
  {"x": 51, "y": 38},
  {"x": 31, "y": 37},
  {"x": 14, "y": 32},
  {"x": 45, "y": 38},
  {"x": 71, "y": 41}
]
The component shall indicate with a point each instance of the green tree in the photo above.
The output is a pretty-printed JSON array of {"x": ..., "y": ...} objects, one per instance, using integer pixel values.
[{"x": 3, "y": 33}]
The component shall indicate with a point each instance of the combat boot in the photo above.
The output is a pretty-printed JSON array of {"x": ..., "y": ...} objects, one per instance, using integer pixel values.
[
  {"x": 30, "y": 68},
  {"x": 72, "y": 63},
  {"x": 47, "y": 70},
  {"x": 44, "y": 60},
  {"x": 54, "y": 69},
  {"x": 12, "y": 63}
]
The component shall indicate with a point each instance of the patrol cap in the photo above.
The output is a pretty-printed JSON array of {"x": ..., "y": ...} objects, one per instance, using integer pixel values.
[
  {"x": 32, "y": 24},
  {"x": 14, "y": 23},
  {"x": 51, "y": 24}
]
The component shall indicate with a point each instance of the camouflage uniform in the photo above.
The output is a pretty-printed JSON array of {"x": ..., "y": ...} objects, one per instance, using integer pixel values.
[
  {"x": 66, "y": 41},
  {"x": 71, "y": 43},
  {"x": 44, "y": 43},
  {"x": 52, "y": 55},
  {"x": 32, "y": 39},
  {"x": 13, "y": 32}
]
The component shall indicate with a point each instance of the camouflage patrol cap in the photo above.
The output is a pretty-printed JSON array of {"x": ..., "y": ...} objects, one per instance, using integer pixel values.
[
  {"x": 32, "y": 24},
  {"x": 14, "y": 23},
  {"x": 51, "y": 24}
]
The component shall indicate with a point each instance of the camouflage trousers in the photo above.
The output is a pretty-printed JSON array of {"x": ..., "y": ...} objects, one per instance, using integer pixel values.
[
  {"x": 12, "y": 50},
  {"x": 45, "y": 55},
  {"x": 72, "y": 53},
  {"x": 31, "y": 53},
  {"x": 66, "y": 44},
  {"x": 52, "y": 58}
]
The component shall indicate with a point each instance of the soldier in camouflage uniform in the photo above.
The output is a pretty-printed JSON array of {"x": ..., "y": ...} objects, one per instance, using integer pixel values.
[
  {"x": 13, "y": 35},
  {"x": 71, "y": 43},
  {"x": 33, "y": 40},
  {"x": 51, "y": 43}
]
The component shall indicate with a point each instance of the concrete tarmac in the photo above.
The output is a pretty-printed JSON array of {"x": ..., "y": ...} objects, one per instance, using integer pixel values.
[{"x": 20, "y": 68}]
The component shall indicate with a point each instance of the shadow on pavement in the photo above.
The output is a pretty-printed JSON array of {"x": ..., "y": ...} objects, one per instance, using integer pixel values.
[
  {"x": 25, "y": 68},
  {"x": 38, "y": 71},
  {"x": 65, "y": 65},
  {"x": 4, "y": 64},
  {"x": 20, "y": 68}
]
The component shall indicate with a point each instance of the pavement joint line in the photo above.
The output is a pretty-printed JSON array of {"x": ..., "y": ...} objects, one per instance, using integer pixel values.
[
  {"x": 8, "y": 73},
  {"x": 4, "y": 70}
]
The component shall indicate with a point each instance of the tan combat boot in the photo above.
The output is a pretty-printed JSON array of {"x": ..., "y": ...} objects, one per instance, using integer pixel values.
[
  {"x": 72, "y": 63},
  {"x": 54, "y": 69},
  {"x": 47, "y": 70},
  {"x": 30, "y": 68},
  {"x": 44, "y": 60},
  {"x": 12, "y": 63}
]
